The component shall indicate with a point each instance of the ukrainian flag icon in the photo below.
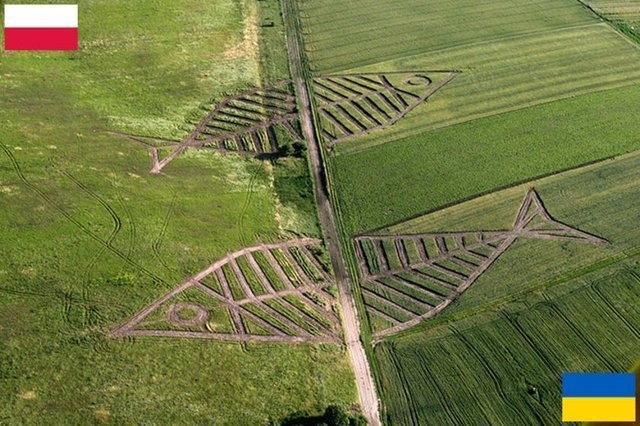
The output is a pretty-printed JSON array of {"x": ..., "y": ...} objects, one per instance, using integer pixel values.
[{"x": 598, "y": 397}]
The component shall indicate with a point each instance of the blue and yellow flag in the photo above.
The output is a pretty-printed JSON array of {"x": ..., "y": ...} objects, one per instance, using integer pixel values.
[{"x": 598, "y": 397}]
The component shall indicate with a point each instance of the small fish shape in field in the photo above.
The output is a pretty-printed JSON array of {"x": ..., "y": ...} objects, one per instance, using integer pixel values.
[
  {"x": 410, "y": 278},
  {"x": 254, "y": 122}
]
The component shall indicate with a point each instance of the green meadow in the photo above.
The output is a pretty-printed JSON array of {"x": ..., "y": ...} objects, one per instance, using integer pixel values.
[{"x": 89, "y": 237}]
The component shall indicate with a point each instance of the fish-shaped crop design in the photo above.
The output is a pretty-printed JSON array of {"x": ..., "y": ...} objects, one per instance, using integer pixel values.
[
  {"x": 410, "y": 278},
  {"x": 260, "y": 121},
  {"x": 353, "y": 105},
  {"x": 270, "y": 292}
]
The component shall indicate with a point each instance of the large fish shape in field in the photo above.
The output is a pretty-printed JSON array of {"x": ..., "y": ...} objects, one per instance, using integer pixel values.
[
  {"x": 259, "y": 121},
  {"x": 410, "y": 278},
  {"x": 266, "y": 293}
]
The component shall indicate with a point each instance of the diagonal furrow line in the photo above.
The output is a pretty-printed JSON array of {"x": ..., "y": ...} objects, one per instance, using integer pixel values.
[{"x": 83, "y": 228}]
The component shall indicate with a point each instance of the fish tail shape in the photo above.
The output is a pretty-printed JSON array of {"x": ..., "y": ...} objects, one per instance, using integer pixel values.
[{"x": 534, "y": 221}]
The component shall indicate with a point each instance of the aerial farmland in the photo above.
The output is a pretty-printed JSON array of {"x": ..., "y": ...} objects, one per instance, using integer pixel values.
[{"x": 304, "y": 212}]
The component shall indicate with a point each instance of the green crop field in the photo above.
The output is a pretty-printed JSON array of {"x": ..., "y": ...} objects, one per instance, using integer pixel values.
[
  {"x": 89, "y": 237},
  {"x": 531, "y": 315},
  {"x": 544, "y": 95},
  {"x": 503, "y": 367},
  {"x": 160, "y": 252},
  {"x": 394, "y": 181},
  {"x": 510, "y": 96},
  {"x": 596, "y": 199},
  {"x": 340, "y": 32},
  {"x": 520, "y": 53}
]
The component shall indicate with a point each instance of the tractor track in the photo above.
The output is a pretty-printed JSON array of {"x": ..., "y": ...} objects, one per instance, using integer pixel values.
[
  {"x": 117, "y": 226},
  {"x": 79, "y": 225},
  {"x": 490, "y": 372},
  {"x": 572, "y": 326},
  {"x": 600, "y": 295},
  {"x": 155, "y": 246},
  {"x": 133, "y": 231},
  {"x": 363, "y": 375},
  {"x": 117, "y": 222},
  {"x": 247, "y": 204}
]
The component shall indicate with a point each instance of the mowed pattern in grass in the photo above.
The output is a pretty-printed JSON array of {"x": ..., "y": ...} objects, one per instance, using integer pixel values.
[
  {"x": 342, "y": 34},
  {"x": 596, "y": 199},
  {"x": 511, "y": 54},
  {"x": 88, "y": 237}
]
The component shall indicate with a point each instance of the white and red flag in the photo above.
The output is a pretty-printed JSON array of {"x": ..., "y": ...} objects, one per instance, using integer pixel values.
[{"x": 41, "y": 27}]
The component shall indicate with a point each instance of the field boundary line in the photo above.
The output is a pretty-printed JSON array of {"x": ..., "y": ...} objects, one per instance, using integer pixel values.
[
  {"x": 610, "y": 23},
  {"x": 365, "y": 383},
  {"x": 355, "y": 148},
  {"x": 577, "y": 168}
]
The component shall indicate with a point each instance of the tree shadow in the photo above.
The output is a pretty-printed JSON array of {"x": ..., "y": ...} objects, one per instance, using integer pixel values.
[{"x": 303, "y": 419}]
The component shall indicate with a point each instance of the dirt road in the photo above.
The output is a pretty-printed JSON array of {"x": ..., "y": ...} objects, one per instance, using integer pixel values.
[{"x": 364, "y": 378}]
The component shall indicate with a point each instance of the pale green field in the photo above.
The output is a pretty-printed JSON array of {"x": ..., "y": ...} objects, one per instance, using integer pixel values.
[
  {"x": 621, "y": 10},
  {"x": 342, "y": 35},
  {"x": 505, "y": 75},
  {"x": 511, "y": 54},
  {"x": 88, "y": 237}
]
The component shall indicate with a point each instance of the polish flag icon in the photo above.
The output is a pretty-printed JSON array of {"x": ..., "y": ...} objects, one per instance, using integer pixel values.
[{"x": 41, "y": 27}]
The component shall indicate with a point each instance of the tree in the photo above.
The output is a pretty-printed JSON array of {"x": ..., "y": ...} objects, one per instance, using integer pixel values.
[
  {"x": 358, "y": 420},
  {"x": 335, "y": 415},
  {"x": 285, "y": 150},
  {"x": 299, "y": 148}
]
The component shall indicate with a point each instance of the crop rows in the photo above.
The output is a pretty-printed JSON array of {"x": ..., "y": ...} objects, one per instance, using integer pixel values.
[
  {"x": 465, "y": 372},
  {"x": 272, "y": 292},
  {"x": 346, "y": 41}
]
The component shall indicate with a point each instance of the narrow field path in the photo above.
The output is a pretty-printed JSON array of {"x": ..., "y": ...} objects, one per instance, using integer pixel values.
[{"x": 364, "y": 378}]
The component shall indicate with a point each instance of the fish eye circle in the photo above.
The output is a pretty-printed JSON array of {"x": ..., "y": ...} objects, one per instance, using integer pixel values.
[
  {"x": 418, "y": 80},
  {"x": 187, "y": 314}
]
